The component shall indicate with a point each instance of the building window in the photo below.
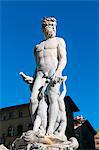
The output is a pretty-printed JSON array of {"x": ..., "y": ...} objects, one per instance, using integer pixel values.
[
  {"x": 4, "y": 118},
  {"x": 19, "y": 130},
  {"x": 30, "y": 126},
  {"x": 10, "y": 115},
  {"x": 10, "y": 131},
  {"x": 0, "y": 117},
  {"x": 20, "y": 114},
  {"x": 3, "y": 139}
]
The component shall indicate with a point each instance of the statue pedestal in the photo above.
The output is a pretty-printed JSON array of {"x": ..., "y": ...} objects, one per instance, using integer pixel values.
[
  {"x": 29, "y": 141},
  {"x": 40, "y": 146}
]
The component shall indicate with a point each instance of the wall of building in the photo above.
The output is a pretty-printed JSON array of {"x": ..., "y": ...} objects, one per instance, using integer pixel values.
[{"x": 13, "y": 121}]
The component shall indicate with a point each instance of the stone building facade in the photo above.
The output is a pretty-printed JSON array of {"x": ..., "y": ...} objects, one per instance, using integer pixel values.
[
  {"x": 84, "y": 133},
  {"x": 13, "y": 121}
]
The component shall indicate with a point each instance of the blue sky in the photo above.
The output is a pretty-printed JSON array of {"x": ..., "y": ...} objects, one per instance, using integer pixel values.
[{"x": 77, "y": 23}]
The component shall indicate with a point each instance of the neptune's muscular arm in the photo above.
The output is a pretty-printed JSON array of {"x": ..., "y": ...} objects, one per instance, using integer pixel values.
[{"x": 62, "y": 59}]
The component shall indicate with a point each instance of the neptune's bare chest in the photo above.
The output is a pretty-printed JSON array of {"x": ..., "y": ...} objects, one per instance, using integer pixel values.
[{"x": 47, "y": 48}]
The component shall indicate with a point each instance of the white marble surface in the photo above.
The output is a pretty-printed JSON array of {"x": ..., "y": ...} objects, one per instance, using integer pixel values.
[{"x": 51, "y": 121}]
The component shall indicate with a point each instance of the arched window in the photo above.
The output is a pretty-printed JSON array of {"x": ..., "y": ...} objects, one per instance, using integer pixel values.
[
  {"x": 20, "y": 114},
  {"x": 10, "y": 131},
  {"x": 10, "y": 115},
  {"x": 19, "y": 129}
]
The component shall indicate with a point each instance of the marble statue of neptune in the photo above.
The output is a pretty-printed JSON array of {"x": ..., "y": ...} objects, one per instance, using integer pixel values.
[
  {"x": 47, "y": 100},
  {"x": 51, "y": 59}
]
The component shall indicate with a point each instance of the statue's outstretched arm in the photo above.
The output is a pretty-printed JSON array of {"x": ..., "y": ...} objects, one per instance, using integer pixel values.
[{"x": 26, "y": 78}]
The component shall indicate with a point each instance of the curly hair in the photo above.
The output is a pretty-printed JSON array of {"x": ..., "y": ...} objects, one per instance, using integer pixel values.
[{"x": 47, "y": 20}]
